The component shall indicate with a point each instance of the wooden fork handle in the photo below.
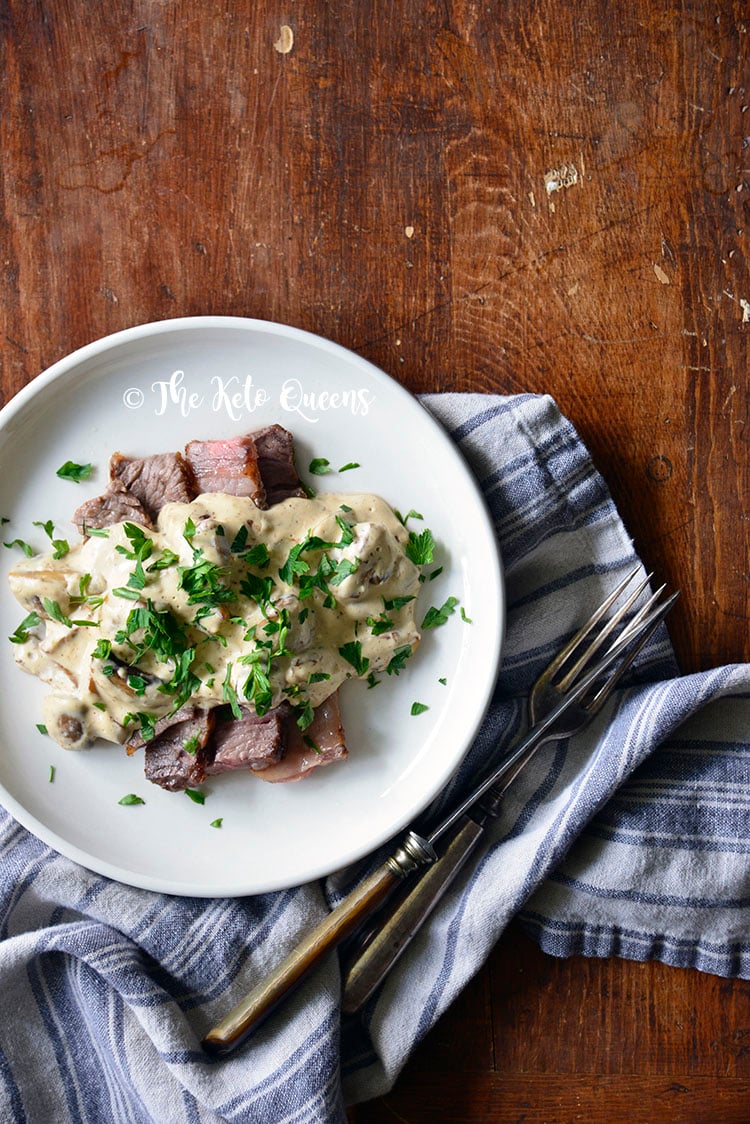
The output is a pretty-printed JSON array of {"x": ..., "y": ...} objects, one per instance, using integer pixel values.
[{"x": 352, "y": 912}]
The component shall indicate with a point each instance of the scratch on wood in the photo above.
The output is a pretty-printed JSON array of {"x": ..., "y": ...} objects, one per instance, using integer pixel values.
[
  {"x": 285, "y": 41},
  {"x": 557, "y": 179}
]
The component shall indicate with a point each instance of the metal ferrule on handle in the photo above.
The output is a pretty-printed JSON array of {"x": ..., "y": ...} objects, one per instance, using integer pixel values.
[
  {"x": 376, "y": 952},
  {"x": 380, "y": 949},
  {"x": 251, "y": 1011}
]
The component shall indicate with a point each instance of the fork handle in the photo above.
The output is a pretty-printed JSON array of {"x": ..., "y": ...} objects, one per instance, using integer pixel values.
[
  {"x": 378, "y": 949},
  {"x": 352, "y": 912}
]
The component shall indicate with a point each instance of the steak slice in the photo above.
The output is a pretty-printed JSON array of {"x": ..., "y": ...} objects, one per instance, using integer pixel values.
[
  {"x": 274, "y": 446},
  {"x": 154, "y": 481},
  {"x": 173, "y": 766},
  {"x": 184, "y": 714},
  {"x": 249, "y": 742},
  {"x": 321, "y": 743},
  {"x": 229, "y": 466},
  {"x": 116, "y": 505}
]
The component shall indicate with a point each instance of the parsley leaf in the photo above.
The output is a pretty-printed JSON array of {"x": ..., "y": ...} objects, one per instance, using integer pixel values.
[
  {"x": 435, "y": 617},
  {"x": 28, "y": 550},
  {"x": 61, "y": 546},
  {"x": 319, "y": 466},
  {"x": 21, "y": 634},
  {"x": 75, "y": 472},
  {"x": 352, "y": 653},
  {"x": 229, "y": 694},
  {"x": 420, "y": 548},
  {"x": 399, "y": 658}
]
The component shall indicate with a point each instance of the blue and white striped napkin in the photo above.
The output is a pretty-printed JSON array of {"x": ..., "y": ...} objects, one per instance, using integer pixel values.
[{"x": 629, "y": 840}]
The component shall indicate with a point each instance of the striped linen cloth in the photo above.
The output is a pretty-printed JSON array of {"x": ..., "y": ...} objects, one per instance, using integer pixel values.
[{"x": 630, "y": 839}]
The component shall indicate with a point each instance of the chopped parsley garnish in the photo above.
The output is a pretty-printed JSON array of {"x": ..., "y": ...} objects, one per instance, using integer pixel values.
[
  {"x": 41, "y": 728},
  {"x": 191, "y": 745},
  {"x": 25, "y": 547},
  {"x": 435, "y": 617},
  {"x": 396, "y": 603},
  {"x": 55, "y": 613},
  {"x": 229, "y": 694},
  {"x": 305, "y": 715},
  {"x": 130, "y": 799},
  {"x": 217, "y": 823},
  {"x": 257, "y": 686},
  {"x": 412, "y": 514},
  {"x": 380, "y": 624},
  {"x": 146, "y": 724},
  {"x": 352, "y": 653},
  {"x": 347, "y": 534},
  {"x": 75, "y": 472},
  {"x": 166, "y": 559},
  {"x": 196, "y": 795},
  {"x": 239, "y": 542},
  {"x": 257, "y": 589},
  {"x": 319, "y": 466},
  {"x": 420, "y": 548},
  {"x": 21, "y": 634},
  {"x": 294, "y": 565},
  {"x": 60, "y": 546},
  {"x": 51, "y": 774},
  {"x": 257, "y": 556},
  {"x": 399, "y": 658},
  {"x": 464, "y": 617},
  {"x": 349, "y": 465},
  {"x": 204, "y": 582},
  {"x": 418, "y": 708},
  {"x": 126, "y": 592}
]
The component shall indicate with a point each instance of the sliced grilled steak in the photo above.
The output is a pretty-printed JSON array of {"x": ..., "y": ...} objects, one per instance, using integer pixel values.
[
  {"x": 229, "y": 466},
  {"x": 154, "y": 481},
  {"x": 173, "y": 766},
  {"x": 321, "y": 743},
  {"x": 184, "y": 714},
  {"x": 275, "y": 450},
  {"x": 249, "y": 742},
  {"x": 116, "y": 505}
]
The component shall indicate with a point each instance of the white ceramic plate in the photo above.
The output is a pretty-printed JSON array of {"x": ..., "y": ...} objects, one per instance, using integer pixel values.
[{"x": 153, "y": 388}]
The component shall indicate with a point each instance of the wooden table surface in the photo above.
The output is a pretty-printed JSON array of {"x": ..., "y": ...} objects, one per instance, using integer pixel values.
[{"x": 516, "y": 196}]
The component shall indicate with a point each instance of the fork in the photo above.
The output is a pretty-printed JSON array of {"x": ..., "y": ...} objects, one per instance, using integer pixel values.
[
  {"x": 565, "y": 698},
  {"x": 379, "y": 947}
]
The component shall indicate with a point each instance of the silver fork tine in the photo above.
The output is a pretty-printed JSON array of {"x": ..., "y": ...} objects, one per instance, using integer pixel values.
[
  {"x": 649, "y": 628},
  {"x": 585, "y": 658},
  {"x": 588, "y": 627}
]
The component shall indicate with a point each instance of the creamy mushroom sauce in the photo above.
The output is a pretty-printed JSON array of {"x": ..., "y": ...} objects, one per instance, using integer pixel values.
[{"x": 280, "y": 643}]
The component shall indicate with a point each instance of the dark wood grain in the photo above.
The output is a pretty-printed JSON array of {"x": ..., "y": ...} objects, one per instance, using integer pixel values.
[{"x": 526, "y": 196}]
